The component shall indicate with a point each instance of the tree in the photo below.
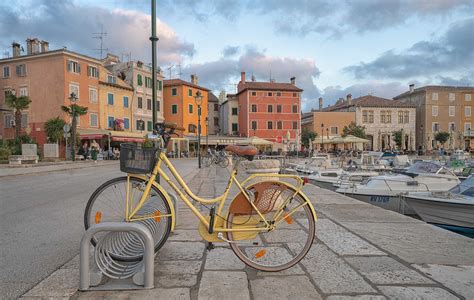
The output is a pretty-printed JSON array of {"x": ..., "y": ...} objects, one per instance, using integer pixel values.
[
  {"x": 442, "y": 137},
  {"x": 74, "y": 111},
  {"x": 307, "y": 136},
  {"x": 354, "y": 129},
  {"x": 18, "y": 104},
  {"x": 54, "y": 129},
  {"x": 397, "y": 137}
]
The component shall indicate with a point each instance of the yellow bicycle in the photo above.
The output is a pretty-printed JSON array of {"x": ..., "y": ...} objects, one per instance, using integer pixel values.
[{"x": 269, "y": 224}]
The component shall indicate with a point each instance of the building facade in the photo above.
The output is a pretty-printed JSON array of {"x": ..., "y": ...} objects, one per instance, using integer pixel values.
[
  {"x": 229, "y": 112},
  {"x": 139, "y": 76},
  {"x": 48, "y": 78},
  {"x": 270, "y": 110},
  {"x": 381, "y": 118},
  {"x": 326, "y": 123},
  {"x": 442, "y": 108},
  {"x": 213, "y": 114}
]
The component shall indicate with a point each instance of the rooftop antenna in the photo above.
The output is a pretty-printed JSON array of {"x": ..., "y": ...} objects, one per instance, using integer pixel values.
[
  {"x": 169, "y": 69},
  {"x": 6, "y": 54},
  {"x": 179, "y": 71},
  {"x": 100, "y": 35}
]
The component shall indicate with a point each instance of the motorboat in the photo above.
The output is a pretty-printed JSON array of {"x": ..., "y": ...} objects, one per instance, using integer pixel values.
[
  {"x": 386, "y": 190},
  {"x": 333, "y": 179},
  {"x": 453, "y": 209}
]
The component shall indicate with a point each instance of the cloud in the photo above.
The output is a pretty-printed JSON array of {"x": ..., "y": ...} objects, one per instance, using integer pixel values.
[
  {"x": 231, "y": 51},
  {"x": 451, "y": 52},
  {"x": 60, "y": 21}
]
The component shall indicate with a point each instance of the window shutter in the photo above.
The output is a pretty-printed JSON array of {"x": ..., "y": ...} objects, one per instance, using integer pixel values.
[
  {"x": 78, "y": 68},
  {"x": 69, "y": 65}
]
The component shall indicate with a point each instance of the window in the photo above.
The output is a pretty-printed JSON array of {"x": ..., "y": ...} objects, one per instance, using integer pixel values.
[
  {"x": 434, "y": 97},
  {"x": 254, "y": 93},
  {"x": 400, "y": 117},
  {"x": 452, "y": 97},
  {"x": 467, "y": 126},
  {"x": 269, "y": 125},
  {"x": 452, "y": 111},
  {"x": 295, "y": 125},
  {"x": 93, "y": 120},
  {"x": 279, "y": 125},
  {"x": 333, "y": 130},
  {"x": 190, "y": 92},
  {"x": 278, "y": 108},
  {"x": 234, "y": 111},
  {"x": 452, "y": 127},
  {"x": 216, "y": 121},
  {"x": 174, "y": 109},
  {"x": 140, "y": 102},
  {"x": 368, "y": 116},
  {"x": 6, "y": 72},
  {"x": 74, "y": 88},
  {"x": 7, "y": 92},
  {"x": 278, "y": 94},
  {"x": 110, "y": 122},
  {"x": 269, "y": 94},
  {"x": 270, "y": 108},
  {"x": 126, "y": 123},
  {"x": 235, "y": 127},
  {"x": 92, "y": 72},
  {"x": 73, "y": 66},
  {"x": 467, "y": 97},
  {"x": 406, "y": 117},
  {"x": 174, "y": 92},
  {"x": 149, "y": 126},
  {"x": 254, "y": 125},
  {"x": 148, "y": 82},
  {"x": 139, "y": 79},
  {"x": 24, "y": 91},
  {"x": 386, "y": 117},
  {"x": 158, "y": 105},
  {"x": 216, "y": 107},
  {"x": 159, "y": 84},
  {"x": 93, "y": 95},
  {"x": 190, "y": 108},
  {"x": 24, "y": 121},
  {"x": 365, "y": 117},
  {"x": 140, "y": 125},
  {"x": 295, "y": 109},
  {"x": 9, "y": 120},
  {"x": 191, "y": 128},
  {"x": 295, "y": 94},
  {"x": 467, "y": 111},
  {"x": 148, "y": 104},
  {"x": 434, "y": 111},
  {"x": 435, "y": 127},
  {"x": 125, "y": 101},
  {"x": 371, "y": 116},
  {"x": 110, "y": 99},
  {"x": 111, "y": 79},
  {"x": 254, "y": 107}
]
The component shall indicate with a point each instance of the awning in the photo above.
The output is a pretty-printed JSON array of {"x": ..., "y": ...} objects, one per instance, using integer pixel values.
[
  {"x": 127, "y": 139},
  {"x": 126, "y": 136},
  {"x": 91, "y": 134}
]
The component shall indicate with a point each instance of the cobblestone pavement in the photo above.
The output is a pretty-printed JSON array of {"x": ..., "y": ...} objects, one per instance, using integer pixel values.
[{"x": 360, "y": 252}]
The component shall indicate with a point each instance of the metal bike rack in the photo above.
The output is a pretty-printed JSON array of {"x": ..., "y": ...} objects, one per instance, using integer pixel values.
[{"x": 142, "y": 272}]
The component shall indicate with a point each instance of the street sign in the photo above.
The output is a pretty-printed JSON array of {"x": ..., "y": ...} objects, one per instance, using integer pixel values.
[
  {"x": 66, "y": 128},
  {"x": 66, "y": 135}
]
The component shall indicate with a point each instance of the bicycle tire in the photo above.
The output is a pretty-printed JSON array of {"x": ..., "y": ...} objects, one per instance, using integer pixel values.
[
  {"x": 207, "y": 161},
  {"x": 159, "y": 237},
  {"x": 248, "y": 248},
  {"x": 223, "y": 162}
]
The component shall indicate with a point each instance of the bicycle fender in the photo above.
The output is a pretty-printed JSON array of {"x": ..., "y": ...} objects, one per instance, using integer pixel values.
[{"x": 165, "y": 194}]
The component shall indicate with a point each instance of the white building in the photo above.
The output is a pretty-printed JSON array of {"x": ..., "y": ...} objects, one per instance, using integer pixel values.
[{"x": 229, "y": 115}]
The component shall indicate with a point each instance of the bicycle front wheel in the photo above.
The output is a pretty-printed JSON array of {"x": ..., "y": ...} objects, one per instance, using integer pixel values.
[
  {"x": 223, "y": 162},
  {"x": 285, "y": 245},
  {"x": 108, "y": 204}
]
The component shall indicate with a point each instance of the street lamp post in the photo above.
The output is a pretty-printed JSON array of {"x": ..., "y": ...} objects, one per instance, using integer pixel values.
[
  {"x": 207, "y": 133},
  {"x": 73, "y": 99},
  {"x": 198, "y": 99},
  {"x": 322, "y": 136}
]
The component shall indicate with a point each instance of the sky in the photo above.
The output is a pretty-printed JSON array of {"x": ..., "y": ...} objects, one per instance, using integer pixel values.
[{"x": 332, "y": 47}]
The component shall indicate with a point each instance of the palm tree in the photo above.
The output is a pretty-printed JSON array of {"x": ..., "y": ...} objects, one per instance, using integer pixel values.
[
  {"x": 74, "y": 111},
  {"x": 18, "y": 104},
  {"x": 54, "y": 129}
]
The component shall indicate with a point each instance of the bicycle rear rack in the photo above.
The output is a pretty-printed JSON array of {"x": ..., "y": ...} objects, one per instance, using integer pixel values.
[{"x": 132, "y": 234}]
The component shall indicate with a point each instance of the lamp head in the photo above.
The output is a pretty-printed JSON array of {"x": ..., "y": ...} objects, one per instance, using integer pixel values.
[
  {"x": 198, "y": 98},
  {"x": 73, "y": 98}
]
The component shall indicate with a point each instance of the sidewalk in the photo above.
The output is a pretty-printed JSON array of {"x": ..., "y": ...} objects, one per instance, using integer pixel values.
[
  {"x": 360, "y": 252},
  {"x": 42, "y": 167}
]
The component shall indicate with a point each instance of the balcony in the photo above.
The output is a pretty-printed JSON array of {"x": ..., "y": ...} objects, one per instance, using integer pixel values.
[{"x": 469, "y": 133}]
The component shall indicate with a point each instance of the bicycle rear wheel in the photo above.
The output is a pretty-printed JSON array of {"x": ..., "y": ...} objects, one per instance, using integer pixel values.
[
  {"x": 107, "y": 204},
  {"x": 223, "y": 162},
  {"x": 282, "y": 247}
]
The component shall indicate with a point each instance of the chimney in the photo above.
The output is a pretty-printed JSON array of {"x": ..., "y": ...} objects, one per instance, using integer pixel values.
[
  {"x": 16, "y": 49},
  {"x": 242, "y": 76},
  {"x": 29, "y": 46},
  {"x": 412, "y": 88},
  {"x": 349, "y": 98},
  {"x": 320, "y": 103},
  {"x": 293, "y": 80},
  {"x": 44, "y": 46},
  {"x": 194, "y": 79},
  {"x": 35, "y": 46}
]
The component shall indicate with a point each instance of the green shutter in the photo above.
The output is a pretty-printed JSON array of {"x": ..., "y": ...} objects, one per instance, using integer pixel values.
[
  {"x": 149, "y": 126},
  {"x": 139, "y": 79},
  {"x": 174, "y": 109}
]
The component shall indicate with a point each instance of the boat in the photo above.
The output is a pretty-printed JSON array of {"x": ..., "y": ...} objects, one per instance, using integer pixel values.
[
  {"x": 386, "y": 190},
  {"x": 333, "y": 179},
  {"x": 453, "y": 209}
]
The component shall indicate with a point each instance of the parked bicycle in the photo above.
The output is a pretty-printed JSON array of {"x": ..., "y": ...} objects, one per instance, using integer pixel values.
[
  {"x": 219, "y": 158},
  {"x": 269, "y": 224}
]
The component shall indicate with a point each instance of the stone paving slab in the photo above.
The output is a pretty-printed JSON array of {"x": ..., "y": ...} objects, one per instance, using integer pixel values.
[
  {"x": 154, "y": 294},
  {"x": 223, "y": 259},
  {"x": 223, "y": 285},
  {"x": 359, "y": 297},
  {"x": 460, "y": 279},
  {"x": 62, "y": 283},
  {"x": 412, "y": 292},
  {"x": 293, "y": 287},
  {"x": 181, "y": 251}
]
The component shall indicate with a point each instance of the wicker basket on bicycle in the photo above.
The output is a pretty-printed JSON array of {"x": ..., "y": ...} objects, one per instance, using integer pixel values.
[
  {"x": 135, "y": 160},
  {"x": 267, "y": 196}
]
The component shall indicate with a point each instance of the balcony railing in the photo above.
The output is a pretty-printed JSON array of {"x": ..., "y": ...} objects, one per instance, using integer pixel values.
[{"x": 469, "y": 133}]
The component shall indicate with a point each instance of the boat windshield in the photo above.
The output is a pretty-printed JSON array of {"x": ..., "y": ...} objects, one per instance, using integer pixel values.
[
  {"x": 466, "y": 187},
  {"x": 423, "y": 167}
]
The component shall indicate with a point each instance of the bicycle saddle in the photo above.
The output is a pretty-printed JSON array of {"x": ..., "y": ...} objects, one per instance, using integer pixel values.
[{"x": 245, "y": 151}]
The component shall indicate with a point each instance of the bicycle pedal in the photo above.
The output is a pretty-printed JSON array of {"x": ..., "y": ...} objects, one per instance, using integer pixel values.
[{"x": 210, "y": 246}]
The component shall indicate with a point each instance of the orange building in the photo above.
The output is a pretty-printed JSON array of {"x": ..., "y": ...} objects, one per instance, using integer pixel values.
[
  {"x": 48, "y": 78},
  {"x": 270, "y": 110},
  {"x": 327, "y": 123}
]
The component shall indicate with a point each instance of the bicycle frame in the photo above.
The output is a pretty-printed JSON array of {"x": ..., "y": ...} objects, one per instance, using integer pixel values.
[{"x": 131, "y": 211}]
